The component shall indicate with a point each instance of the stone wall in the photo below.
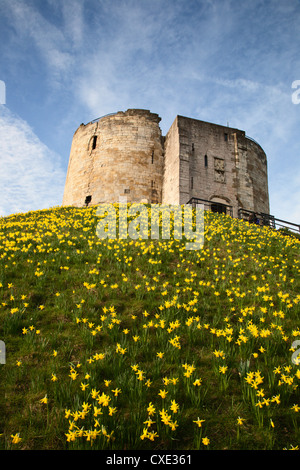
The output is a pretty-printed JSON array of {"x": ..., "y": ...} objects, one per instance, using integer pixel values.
[
  {"x": 215, "y": 163},
  {"x": 170, "y": 190},
  {"x": 119, "y": 155},
  {"x": 258, "y": 173}
]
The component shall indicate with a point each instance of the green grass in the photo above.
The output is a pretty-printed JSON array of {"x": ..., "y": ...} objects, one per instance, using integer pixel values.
[{"x": 100, "y": 311}]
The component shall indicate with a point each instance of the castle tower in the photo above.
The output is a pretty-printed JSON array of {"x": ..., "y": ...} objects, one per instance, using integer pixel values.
[
  {"x": 124, "y": 154},
  {"x": 117, "y": 155},
  {"x": 215, "y": 163}
]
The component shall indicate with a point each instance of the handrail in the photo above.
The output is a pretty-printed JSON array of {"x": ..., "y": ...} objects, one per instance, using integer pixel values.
[
  {"x": 290, "y": 223},
  {"x": 271, "y": 219},
  {"x": 253, "y": 140},
  {"x": 266, "y": 219},
  {"x": 205, "y": 202},
  {"x": 98, "y": 119}
]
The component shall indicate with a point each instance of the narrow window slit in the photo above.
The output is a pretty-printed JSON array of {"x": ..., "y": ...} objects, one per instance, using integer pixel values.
[
  {"x": 88, "y": 200},
  {"x": 94, "y": 144}
]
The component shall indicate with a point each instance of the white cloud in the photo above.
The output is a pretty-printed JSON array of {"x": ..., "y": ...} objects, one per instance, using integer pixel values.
[
  {"x": 53, "y": 44},
  {"x": 73, "y": 15},
  {"x": 31, "y": 177}
]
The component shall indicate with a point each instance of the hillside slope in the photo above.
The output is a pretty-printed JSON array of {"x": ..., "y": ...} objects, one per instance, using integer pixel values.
[{"x": 142, "y": 344}]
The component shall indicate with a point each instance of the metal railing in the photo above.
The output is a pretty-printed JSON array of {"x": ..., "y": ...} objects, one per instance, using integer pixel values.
[
  {"x": 266, "y": 219},
  {"x": 212, "y": 206},
  {"x": 98, "y": 119},
  {"x": 253, "y": 140},
  {"x": 259, "y": 218}
]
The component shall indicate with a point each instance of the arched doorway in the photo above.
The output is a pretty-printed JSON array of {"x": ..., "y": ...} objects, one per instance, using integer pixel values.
[
  {"x": 221, "y": 205},
  {"x": 218, "y": 207}
]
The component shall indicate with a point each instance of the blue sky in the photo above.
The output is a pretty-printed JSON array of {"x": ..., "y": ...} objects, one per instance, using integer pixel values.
[{"x": 64, "y": 62}]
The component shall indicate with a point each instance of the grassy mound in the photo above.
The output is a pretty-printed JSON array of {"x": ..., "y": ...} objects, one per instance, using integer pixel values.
[{"x": 142, "y": 344}]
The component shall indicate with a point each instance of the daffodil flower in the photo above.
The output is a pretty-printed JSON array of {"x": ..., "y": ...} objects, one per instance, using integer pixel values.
[{"x": 16, "y": 438}]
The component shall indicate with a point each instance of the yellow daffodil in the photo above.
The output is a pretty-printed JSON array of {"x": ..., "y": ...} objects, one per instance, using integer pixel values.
[
  {"x": 151, "y": 409},
  {"x": 163, "y": 393},
  {"x": 16, "y": 438},
  {"x": 199, "y": 422}
]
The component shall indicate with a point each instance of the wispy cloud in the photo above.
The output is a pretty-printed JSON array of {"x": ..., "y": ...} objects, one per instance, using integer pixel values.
[
  {"x": 30, "y": 174},
  {"x": 55, "y": 44}
]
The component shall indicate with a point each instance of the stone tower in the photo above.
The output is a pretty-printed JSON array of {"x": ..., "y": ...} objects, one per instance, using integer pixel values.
[
  {"x": 118, "y": 155},
  {"x": 124, "y": 154},
  {"x": 216, "y": 163}
]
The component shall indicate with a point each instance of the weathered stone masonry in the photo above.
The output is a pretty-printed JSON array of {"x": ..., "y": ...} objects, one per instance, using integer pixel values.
[{"x": 124, "y": 154}]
